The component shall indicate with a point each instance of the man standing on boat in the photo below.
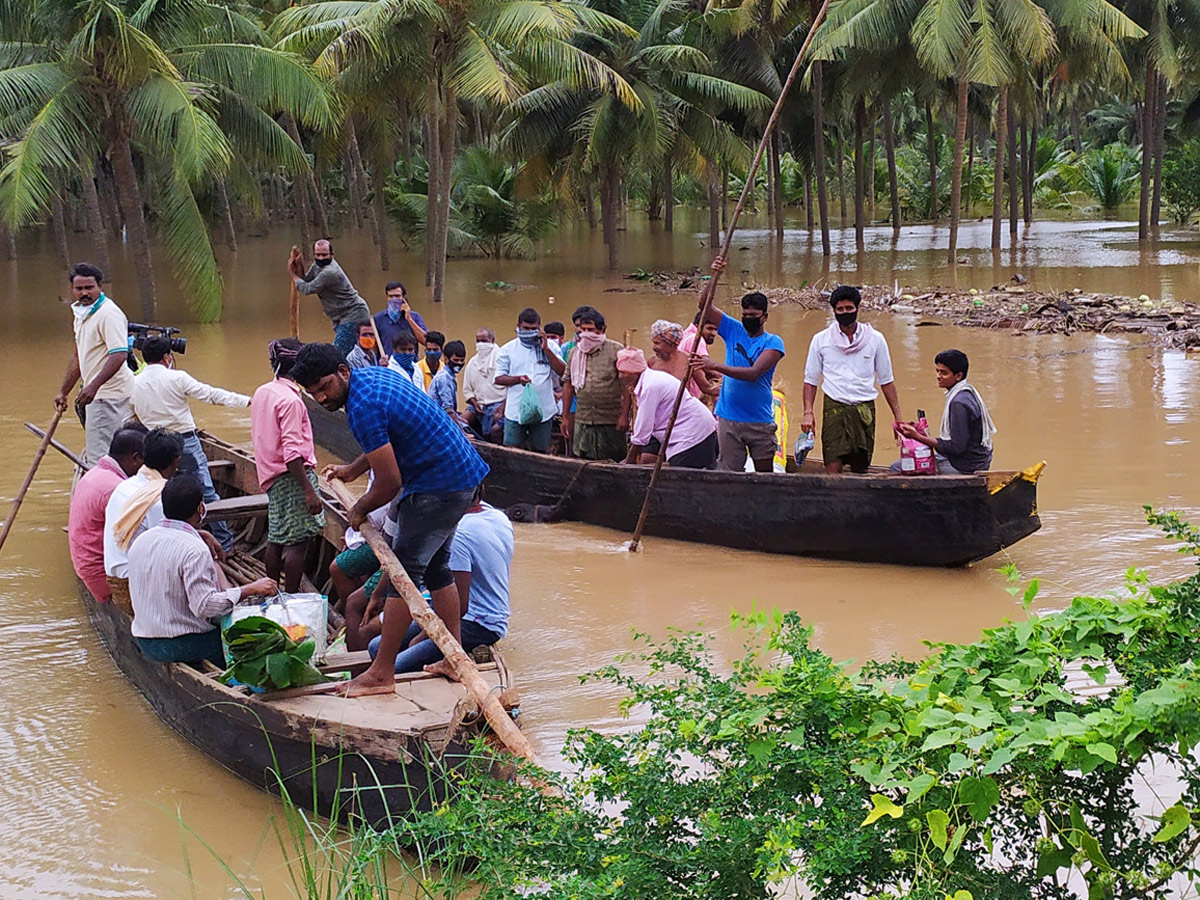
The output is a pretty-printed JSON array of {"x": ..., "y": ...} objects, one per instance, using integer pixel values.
[
  {"x": 413, "y": 448},
  {"x": 177, "y": 589},
  {"x": 529, "y": 360},
  {"x": 339, "y": 300},
  {"x": 286, "y": 461},
  {"x": 745, "y": 408},
  {"x": 101, "y": 350},
  {"x": 592, "y": 426},
  {"x": 398, "y": 316},
  {"x": 846, "y": 360},
  {"x": 160, "y": 400}
]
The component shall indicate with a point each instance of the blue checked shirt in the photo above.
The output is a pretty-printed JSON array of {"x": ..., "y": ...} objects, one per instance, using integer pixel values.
[{"x": 433, "y": 455}]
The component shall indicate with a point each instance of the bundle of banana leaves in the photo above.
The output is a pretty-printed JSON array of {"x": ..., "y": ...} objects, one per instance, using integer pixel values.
[{"x": 265, "y": 656}]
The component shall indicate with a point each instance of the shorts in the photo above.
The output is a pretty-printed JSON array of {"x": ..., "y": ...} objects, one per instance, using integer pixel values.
[
  {"x": 736, "y": 438},
  {"x": 490, "y": 414},
  {"x": 425, "y": 530},
  {"x": 357, "y": 562},
  {"x": 288, "y": 519}
]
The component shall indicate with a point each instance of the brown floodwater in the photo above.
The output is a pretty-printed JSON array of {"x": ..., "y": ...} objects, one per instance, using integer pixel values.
[{"x": 95, "y": 786}]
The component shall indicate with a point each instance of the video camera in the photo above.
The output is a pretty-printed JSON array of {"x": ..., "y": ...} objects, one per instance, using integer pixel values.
[{"x": 138, "y": 334}]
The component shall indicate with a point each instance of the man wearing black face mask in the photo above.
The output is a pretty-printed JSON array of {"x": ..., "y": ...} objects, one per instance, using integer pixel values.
[
  {"x": 339, "y": 300},
  {"x": 444, "y": 389},
  {"x": 745, "y": 408},
  {"x": 849, "y": 357},
  {"x": 432, "y": 360}
]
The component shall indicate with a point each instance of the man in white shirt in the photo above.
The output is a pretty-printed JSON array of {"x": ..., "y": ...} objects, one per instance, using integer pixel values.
[
  {"x": 101, "y": 349},
  {"x": 177, "y": 589},
  {"x": 160, "y": 400},
  {"x": 846, "y": 360},
  {"x": 483, "y": 397},
  {"x": 136, "y": 505},
  {"x": 529, "y": 359},
  {"x": 404, "y": 358}
]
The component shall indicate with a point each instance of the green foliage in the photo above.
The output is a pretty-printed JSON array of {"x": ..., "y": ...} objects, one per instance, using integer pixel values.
[
  {"x": 974, "y": 772},
  {"x": 1110, "y": 174},
  {"x": 265, "y": 656},
  {"x": 1181, "y": 181}
]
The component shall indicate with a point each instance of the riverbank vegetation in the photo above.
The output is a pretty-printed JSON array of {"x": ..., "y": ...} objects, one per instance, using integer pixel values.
[
  {"x": 1051, "y": 758},
  {"x": 467, "y": 128}
]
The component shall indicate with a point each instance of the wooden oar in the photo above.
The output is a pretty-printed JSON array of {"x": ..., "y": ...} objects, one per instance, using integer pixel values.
[
  {"x": 710, "y": 289},
  {"x": 295, "y": 295},
  {"x": 33, "y": 467},
  {"x": 59, "y": 447},
  {"x": 464, "y": 667}
]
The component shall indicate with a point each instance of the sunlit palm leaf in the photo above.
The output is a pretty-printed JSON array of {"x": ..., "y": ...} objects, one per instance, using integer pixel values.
[
  {"x": 185, "y": 236},
  {"x": 479, "y": 73},
  {"x": 166, "y": 116}
]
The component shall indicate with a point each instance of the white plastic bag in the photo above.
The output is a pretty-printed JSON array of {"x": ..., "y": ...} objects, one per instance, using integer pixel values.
[{"x": 304, "y": 615}]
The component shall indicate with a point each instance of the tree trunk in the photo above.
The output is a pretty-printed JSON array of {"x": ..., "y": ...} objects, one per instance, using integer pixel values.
[
  {"x": 95, "y": 220},
  {"x": 889, "y": 149},
  {"x": 376, "y": 212},
  {"x": 1076, "y": 128},
  {"x": 1149, "y": 104},
  {"x": 970, "y": 175},
  {"x": 1160, "y": 124},
  {"x": 129, "y": 194},
  {"x": 111, "y": 208},
  {"x": 931, "y": 153},
  {"x": 960, "y": 140},
  {"x": 8, "y": 240},
  {"x": 1029, "y": 170},
  {"x": 1014, "y": 171},
  {"x": 724, "y": 188},
  {"x": 1001, "y": 127},
  {"x": 306, "y": 183},
  {"x": 870, "y": 182},
  {"x": 654, "y": 200},
  {"x": 777, "y": 164},
  {"x": 226, "y": 214},
  {"x": 433, "y": 207},
  {"x": 808, "y": 203},
  {"x": 840, "y": 150},
  {"x": 354, "y": 189},
  {"x": 668, "y": 195},
  {"x": 59, "y": 221},
  {"x": 769, "y": 166},
  {"x": 819, "y": 153},
  {"x": 860, "y": 121},
  {"x": 379, "y": 224},
  {"x": 714, "y": 219},
  {"x": 300, "y": 189},
  {"x": 449, "y": 134},
  {"x": 608, "y": 213},
  {"x": 589, "y": 206}
]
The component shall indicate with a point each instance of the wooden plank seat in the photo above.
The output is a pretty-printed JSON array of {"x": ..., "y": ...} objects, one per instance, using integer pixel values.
[{"x": 233, "y": 509}]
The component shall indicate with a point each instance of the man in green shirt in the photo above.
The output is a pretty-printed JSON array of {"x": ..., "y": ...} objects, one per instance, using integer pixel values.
[{"x": 592, "y": 393}]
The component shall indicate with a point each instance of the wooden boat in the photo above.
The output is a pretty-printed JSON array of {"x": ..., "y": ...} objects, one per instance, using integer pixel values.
[
  {"x": 929, "y": 520},
  {"x": 375, "y": 757}
]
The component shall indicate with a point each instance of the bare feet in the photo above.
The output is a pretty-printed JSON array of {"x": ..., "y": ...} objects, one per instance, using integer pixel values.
[
  {"x": 441, "y": 667},
  {"x": 368, "y": 683}
]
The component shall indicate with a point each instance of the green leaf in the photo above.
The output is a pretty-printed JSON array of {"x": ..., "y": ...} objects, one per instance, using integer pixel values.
[
  {"x": 881, "y": 806},
  {"x": 956, "y": 843},
  {"x": 1053, "y": 859},
  {"x": 1091, "y": 849},
  {"x": 980, "y": 795},
  {"x": 940, "y": 739},
  {"x": 919, "y": 787},
  {"x": 1103, "y": 750},
  {"x": 999, "y": 760},
  {"x": 1030, "y": 594},
  {"x": 1175, "y": 821},
  {"x": 957, "y": 762},
  {"x": 938, "y": 821},
  {"x": 960, "y": 895}
]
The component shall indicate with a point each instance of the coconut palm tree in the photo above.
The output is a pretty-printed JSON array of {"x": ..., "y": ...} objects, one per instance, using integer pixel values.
[{"x": 163, "y": 90}]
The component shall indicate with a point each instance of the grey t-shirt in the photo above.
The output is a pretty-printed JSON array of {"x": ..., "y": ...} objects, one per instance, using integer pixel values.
[
  {"x": 965, "y": 449},
  {"x": 340, "y": 301}
]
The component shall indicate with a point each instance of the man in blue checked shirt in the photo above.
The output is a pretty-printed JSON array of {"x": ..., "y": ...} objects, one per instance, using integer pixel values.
[{"x": 416, "y": 450}]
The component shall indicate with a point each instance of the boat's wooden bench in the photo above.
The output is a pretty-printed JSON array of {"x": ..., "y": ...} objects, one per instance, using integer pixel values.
[{"x": 233, "y": 509}]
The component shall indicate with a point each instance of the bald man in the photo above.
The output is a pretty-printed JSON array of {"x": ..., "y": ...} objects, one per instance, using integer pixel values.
[{"x": 339, "y": 300}]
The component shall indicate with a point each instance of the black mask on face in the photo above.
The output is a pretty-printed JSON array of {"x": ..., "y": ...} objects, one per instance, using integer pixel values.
[
  {"x": 752, "y": 324},
  {"x": 323, "y": 262},
  {"x": 846, "y": 319}
]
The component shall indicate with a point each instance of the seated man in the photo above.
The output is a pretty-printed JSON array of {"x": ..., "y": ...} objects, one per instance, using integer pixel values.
[
  {"x": 366, "y": 350},
  {"x": 429, "y": 364},
  {"x": 693, "y": 443},
  {"x": 964, "y": 442},
  {"x": 484, "y": 401},
  {"x": 85, "y": 525},
  {"x": 176, "y": 586},
  {"x": 404, "y": 358},
  {"x": 480, "y": 558},
  {"x": 135, "y": 506}
]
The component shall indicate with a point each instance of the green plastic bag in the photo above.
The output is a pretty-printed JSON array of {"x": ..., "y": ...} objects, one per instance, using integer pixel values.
[{"x": 529, "y": 407}]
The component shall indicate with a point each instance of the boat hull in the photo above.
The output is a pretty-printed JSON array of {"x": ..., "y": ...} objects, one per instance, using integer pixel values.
[{"x": 917, "y": 521}]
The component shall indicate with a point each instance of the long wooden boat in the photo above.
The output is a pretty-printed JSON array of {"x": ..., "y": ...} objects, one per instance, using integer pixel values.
[
  {"x": 375, "y": 757},
  {"x": 927, "y": 520}
]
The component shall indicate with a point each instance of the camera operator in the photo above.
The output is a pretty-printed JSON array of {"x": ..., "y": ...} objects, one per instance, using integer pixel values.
[
  {"x": 101, "y": 348},
  {"x": 160, "y": 400}
]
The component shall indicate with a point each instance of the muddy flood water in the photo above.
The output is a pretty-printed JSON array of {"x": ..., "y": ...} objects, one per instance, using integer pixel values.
[{"x": 99, "y": 799}]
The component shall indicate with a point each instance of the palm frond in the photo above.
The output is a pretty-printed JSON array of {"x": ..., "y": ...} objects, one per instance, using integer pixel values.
[
  {"x": 166, "y": 116},
  {"x": 941, "y": 34},
  {"x": 31, "y": 85},
  {"x": 185, "y": 236},
  {"x": 479, "y": 73}
]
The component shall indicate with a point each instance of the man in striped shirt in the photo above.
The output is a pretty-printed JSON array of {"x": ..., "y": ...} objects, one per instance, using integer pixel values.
[{"x": 178, "y": 591}]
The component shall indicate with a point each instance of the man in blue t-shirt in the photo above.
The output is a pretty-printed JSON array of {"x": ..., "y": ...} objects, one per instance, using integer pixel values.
[
  {"x": 415, "y": 450},
  {"x": 397, "y": 317},
  {"x": 745, "y": 410}
]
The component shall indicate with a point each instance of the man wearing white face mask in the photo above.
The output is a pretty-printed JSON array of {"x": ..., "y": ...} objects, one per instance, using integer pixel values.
[
  {"x": 160, "y": 400},
  {"x": 483, "y": 398},
  {"x": 101, "y": 349}
]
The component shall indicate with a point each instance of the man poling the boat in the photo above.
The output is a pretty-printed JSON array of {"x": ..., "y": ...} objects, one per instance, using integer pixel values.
[
  {"x": 339, "y": 298},
  {"x": 964, "y": 442},
  {"x": 414, "y": 449},
  {"x": 846, "y": 360}
]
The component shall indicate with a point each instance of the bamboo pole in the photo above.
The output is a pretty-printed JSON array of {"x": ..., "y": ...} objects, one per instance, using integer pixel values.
[
  {"x": 33, "y": 467},
  {"x": 59, "y": 447},
  {"x": 711, "y": 288},
  {"x": 294, "y": 306},
  {"x": 464, "y": 667}
]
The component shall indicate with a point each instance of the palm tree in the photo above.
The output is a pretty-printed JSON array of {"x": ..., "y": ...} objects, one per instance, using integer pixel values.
[{"x": 167, "y": 92}]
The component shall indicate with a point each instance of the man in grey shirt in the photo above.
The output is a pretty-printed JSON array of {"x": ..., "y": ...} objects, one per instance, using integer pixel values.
[{"x": 339, "y": 299}]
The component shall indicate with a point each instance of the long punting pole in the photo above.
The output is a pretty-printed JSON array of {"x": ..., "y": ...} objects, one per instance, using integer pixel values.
[
  {"x": 294, "y": 299},
  {"x": 464, "y": 667},
  {"x": 37, "y": 461},
  {"x": 711, "y": 288}
]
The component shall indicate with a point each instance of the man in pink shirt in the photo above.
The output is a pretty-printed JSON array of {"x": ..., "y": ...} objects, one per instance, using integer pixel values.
[
  {"x": 287, "y": 468},
  {"x": 693, "y": 443},
  {"x": 85, "y": 523}
]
